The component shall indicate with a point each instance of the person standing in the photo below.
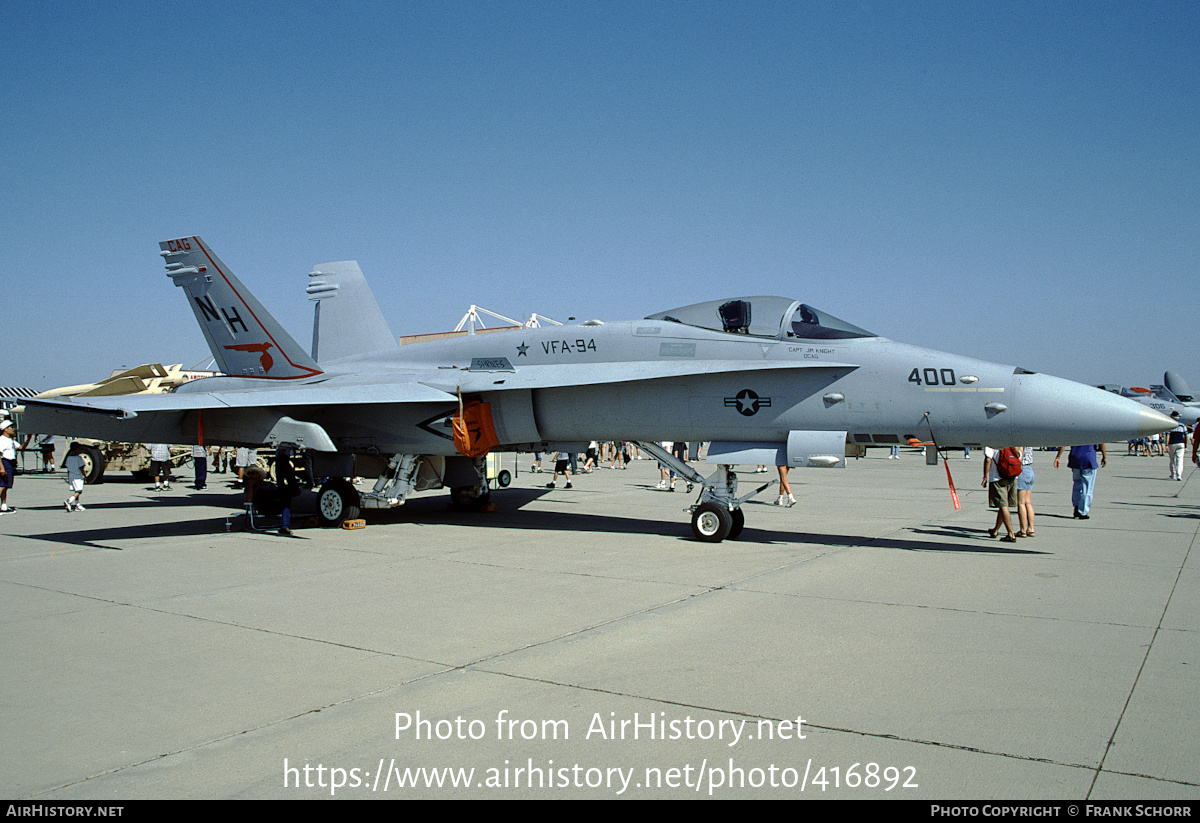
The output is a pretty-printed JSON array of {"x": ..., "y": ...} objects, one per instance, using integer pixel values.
[
  {"x": 45, "y": 444},
  {"x": 620, "y": 458},
  {"x": 1002, "y": 488},
  {"x": 1176, "y": 446},
  {"x": 8, "y": 462},
  {"x": 1083, "y": 464},
  {"x": 785, "y": 488},
  {"x": 1025, "y": 493},
  {"x": 663, "y": 471},
  {"x": 160, "y": 466},
  {"x": 243, "y": 460},
  {"x": 678, "y": 450},
  {"x": 562, "y": 465},
  {"x": 200, "y": 461},
  {"x": 74, "y": 466},
  {"x": 289, "y": 486}
]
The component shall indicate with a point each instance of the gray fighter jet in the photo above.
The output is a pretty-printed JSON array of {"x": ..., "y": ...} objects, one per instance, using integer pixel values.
[
  {"x": 1175, "y": 389},
  {"x": 768, "y": 380},
  {"x": 1160, "y": 399}
]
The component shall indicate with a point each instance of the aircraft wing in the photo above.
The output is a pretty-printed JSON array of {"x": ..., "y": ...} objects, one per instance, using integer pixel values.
[
  {"x": 128, "y": 406},
  {"x": 251, "y": 415},
  {"x": 421, "y": 386},
  {"x": 256, "y": 412}
]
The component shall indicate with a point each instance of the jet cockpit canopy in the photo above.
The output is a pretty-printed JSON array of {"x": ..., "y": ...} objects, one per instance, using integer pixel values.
[{"x": 764, "y": 316}]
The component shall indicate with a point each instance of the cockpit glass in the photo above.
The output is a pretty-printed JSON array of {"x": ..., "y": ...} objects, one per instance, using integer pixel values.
[
  {"x": 776, "y": 317},
  {"x": 811, "y": 324}
]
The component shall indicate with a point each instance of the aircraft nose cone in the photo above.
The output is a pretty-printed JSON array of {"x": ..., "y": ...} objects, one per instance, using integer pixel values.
[
  {"x": 1153, "y": 422},
  {"x": 1053, "y": 410}
]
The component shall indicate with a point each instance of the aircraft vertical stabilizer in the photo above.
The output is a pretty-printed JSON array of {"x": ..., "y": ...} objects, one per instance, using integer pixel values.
[
  {"x": 346, "y": 318},
  {"x": 1178, "y": 387},
  {"x": 245, "y": 339}
]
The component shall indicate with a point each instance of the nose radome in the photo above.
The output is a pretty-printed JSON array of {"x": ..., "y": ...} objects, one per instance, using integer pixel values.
[
  {"x": 1153, "y": 422},
  {"x": 1054, "y": 410}
]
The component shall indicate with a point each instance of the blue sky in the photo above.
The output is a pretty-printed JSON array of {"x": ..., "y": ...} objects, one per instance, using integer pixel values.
[{"x": 1013, "y": 181}]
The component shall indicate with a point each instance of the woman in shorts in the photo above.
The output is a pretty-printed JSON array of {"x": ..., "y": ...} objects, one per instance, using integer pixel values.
[{"x": 1025, "y": 493}]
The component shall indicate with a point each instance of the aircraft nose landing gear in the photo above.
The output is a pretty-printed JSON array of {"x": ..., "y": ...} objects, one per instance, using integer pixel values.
[
  {"x": 717, "y": 514},
  {"x": 712, "y": 522}
]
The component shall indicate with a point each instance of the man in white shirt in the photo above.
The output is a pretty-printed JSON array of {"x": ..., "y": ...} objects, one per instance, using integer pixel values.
[
  {"x": 1176, "y": 446},
  {"x": 8, "y": 461}
]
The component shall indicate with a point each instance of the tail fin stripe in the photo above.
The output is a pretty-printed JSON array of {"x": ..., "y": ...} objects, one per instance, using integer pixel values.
[{"x": 280, "y": 349}]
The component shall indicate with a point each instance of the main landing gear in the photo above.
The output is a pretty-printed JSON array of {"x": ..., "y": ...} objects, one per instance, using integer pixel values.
[
  {"x": 717, "y": 514},
  {"x": 337, "y": 502}
]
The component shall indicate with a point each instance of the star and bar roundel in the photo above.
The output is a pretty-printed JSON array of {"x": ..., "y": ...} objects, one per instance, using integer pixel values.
[{"x": 747, "y": 402}]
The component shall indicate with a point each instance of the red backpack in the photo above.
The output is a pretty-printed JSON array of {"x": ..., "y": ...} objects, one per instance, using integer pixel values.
[{"x": 1008, "y": 462}]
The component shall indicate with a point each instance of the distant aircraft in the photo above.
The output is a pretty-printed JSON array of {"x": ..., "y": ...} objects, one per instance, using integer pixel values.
[
  {"x": 1160, "y": 399},
  {"x": 1175, "y": 389},
  {"x": 768, "y": 380}
]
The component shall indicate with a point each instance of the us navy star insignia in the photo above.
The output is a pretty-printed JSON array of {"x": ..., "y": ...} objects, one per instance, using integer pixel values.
[
  {"x": 747, "y": 402},
  {"x": 522, "y": 349}
]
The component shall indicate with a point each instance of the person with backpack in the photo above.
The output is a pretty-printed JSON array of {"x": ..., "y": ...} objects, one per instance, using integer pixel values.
[{"x": 1001, "y": 467}]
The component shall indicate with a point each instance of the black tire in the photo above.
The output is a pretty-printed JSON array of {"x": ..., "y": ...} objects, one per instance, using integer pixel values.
[
  {"x": 93, "y": 464},
  {"x": 711, "y": 523},
  {"x": 470, "y": 498},
  {"x": 739, "y": 521},
  {"x": 503, "y": 478},
  {"x": 337, "y": 502}
]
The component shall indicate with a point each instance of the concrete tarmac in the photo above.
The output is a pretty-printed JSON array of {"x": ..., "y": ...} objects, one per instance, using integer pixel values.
[{"x": 871, "y": 642}]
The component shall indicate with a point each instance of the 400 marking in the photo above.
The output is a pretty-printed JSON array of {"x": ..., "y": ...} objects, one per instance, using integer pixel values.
[{"x": 932, "y": 377}]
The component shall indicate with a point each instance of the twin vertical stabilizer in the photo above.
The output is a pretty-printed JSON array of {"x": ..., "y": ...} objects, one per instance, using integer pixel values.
[
  {"x": 346, "y": 319},
  {"x": 246, "y": 341}
]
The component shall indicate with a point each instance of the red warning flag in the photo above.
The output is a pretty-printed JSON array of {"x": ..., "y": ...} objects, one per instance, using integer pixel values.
[{"x": 950, "y": 480}]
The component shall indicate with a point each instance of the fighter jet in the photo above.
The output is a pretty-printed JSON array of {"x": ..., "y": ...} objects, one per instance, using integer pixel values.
[
  {"x": 1158, "y": 398},
  {"x": 1175, "y": 389},
  {"x": 768, "y": 380}
]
